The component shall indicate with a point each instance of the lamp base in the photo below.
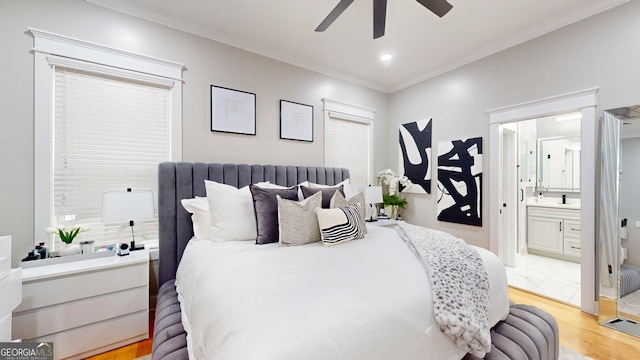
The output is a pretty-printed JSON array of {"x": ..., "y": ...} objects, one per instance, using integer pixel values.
[
  {"x": 372, "y": 213},
  {"x": 133, "y": 246}
]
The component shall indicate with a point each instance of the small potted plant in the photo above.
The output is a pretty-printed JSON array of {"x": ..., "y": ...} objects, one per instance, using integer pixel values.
[
  {"x": 394, "y": 203},
  {"x": 391, "y": 182},
  {"x": 67, "y": 234}
]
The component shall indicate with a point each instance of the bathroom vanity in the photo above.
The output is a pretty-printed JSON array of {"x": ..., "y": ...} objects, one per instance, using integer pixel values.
[{"x": 554, "y": 230}]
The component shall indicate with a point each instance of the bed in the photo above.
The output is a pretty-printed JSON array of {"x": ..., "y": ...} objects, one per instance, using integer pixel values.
[{"x": 365, "y": 299}]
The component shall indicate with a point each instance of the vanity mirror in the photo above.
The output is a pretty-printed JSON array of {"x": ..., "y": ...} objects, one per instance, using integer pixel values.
[
  {"x": 559, "y": 164},
  {"x": 618, "y": 250}
]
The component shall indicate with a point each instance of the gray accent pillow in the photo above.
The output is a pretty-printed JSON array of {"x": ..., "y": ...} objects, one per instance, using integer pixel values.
[
  {"x": 327, "y": 193},
  {"x": 298, "y": 222},
  {"x": 338, "y": 201},
  {"x": 265, "y": 205}
]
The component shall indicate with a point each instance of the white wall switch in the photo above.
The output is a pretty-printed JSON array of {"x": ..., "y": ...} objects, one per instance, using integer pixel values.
[{"x": 638, "y": 223}]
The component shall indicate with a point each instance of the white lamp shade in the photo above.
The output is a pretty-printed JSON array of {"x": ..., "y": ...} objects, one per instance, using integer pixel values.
[
  {"x": 373, "y": 194},
  {"x": 123, "y": 205}
]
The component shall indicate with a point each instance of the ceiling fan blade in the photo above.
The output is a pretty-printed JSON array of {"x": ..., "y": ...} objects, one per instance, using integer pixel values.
[
  {"x": 333, "y": 15},
  {"x": 379, "y": 17},
  {"x": 438, "y": 7}
]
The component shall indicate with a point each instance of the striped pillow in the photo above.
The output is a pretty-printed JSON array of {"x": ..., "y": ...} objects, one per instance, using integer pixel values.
[
  {"x": 341, "y": 224},
  {"x": 337, "y": 200}
]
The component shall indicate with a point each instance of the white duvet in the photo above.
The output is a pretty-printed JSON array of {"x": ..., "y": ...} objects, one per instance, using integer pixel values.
[{"x": 365, "y": 299}]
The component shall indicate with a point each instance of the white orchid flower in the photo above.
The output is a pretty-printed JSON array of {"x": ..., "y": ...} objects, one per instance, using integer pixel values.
[{"x": 392, "y": 180}]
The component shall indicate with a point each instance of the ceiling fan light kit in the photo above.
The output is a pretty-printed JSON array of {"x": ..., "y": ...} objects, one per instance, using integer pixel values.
[{"x": 438, "y": 7}]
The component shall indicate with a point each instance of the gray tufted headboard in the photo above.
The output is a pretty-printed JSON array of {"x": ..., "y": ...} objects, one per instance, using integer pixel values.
[{"x": 182, "y": 180}]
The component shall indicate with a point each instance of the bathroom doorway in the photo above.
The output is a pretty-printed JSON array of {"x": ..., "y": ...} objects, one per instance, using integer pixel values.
[
  {"x": 541, "y": 209},
  {"x": 553, "y": 251}
]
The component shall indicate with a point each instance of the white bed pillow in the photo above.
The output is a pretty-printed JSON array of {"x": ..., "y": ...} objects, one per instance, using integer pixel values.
[
  {"x": 231, "y": 212},
  {"x": 346, "y": 183},
  {"x": 199, "y": 208}
]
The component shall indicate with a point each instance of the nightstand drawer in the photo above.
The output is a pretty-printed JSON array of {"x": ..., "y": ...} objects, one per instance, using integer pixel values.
[
  {"x": 40, "y": 293},
  {"x": 99, "y": 337},
  {"x": 33, "y": 324},
  {"x": 10, "y": 292}
]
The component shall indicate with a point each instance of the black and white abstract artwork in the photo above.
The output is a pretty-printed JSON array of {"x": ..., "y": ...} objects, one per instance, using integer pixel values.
[
  {"x": 415, "y": 152},
  {"x": 460, "y": 181}
]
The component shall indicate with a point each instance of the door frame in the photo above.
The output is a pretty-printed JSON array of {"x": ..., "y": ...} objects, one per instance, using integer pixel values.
[{"x": 584, "y": 101}]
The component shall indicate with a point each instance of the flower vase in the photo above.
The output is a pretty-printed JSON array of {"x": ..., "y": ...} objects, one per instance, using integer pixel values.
[
  {"x": 68, "y": 249},
  {"x": 393, "y": 212}
]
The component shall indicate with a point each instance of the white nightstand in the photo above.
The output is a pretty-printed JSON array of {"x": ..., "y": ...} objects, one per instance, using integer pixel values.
[
  {"x": 85, "y": 307},
  {"x": 385, "y": 222},
  {"x": 10, "y": 288}
]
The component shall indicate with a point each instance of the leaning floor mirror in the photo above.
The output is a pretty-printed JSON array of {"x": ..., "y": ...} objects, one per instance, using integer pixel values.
[{"x": 619, "y": 234}]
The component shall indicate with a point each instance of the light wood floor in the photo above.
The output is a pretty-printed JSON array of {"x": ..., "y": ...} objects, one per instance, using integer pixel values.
[{"x": 579, "y": 331}]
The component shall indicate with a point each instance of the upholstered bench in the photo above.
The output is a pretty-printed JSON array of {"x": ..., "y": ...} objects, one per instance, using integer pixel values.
[
  {"x": 169, "y": 337},
  {"x": 629, "y": 279},
  {"x": 526, "y": 333}
]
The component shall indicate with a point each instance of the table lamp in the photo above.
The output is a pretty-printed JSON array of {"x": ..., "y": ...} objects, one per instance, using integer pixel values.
[
  {"x": 127, "y": 206},
  {"x": 372, "y": 197}
]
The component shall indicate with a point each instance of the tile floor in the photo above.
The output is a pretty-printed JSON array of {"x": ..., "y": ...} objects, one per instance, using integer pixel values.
[{"x": 556, "y": 279}]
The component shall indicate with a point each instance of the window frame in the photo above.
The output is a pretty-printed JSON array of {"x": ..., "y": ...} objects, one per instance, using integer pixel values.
[
  {"x": 52, "y": 49},
  {"x": 349, "y": 112}
]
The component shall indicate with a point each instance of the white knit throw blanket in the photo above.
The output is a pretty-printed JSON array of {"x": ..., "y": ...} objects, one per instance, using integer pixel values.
[{"x": 459, "y": 283}]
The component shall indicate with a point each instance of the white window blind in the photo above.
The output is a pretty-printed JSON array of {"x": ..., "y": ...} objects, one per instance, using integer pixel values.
[
  {"x": 109, "y": 133},
  {"x": 347, "y": 145}
]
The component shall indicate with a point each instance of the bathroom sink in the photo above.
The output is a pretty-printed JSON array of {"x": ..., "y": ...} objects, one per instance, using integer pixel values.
[{"x": 555, "y": 205}]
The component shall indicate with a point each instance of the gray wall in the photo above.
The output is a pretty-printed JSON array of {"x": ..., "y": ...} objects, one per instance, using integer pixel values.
[
  {"x": 600, "y": 51},
  {"x": 207, "y": 63},
  {"x": 630, "y": 196}
]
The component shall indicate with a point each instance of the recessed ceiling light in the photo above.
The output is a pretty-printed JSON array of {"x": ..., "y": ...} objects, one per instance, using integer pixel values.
[{"x": 385, "y": 57}]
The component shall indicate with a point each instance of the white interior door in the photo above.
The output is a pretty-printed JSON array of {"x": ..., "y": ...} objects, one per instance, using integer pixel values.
[{"x": 509, "y": 196}]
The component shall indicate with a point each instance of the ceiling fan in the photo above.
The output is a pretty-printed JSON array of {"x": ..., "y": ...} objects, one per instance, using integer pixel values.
[{"x": 438, "y": 7}]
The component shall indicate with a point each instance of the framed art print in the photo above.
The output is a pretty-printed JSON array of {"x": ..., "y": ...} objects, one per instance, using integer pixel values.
[
  {"x": 460, "y": 181},
  {"x": 233, "y": 111},
  {"x": 296, "y": 121},
  {"x": 415, "y": 155}
]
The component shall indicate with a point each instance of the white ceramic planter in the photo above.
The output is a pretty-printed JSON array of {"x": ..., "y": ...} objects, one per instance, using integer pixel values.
[{"x": 69, "y": 249}]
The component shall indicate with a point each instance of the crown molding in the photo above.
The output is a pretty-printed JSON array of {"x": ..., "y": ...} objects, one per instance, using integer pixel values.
[
  {"x": 250, "y": 46},
  {"x": 593, "y": 8}
]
